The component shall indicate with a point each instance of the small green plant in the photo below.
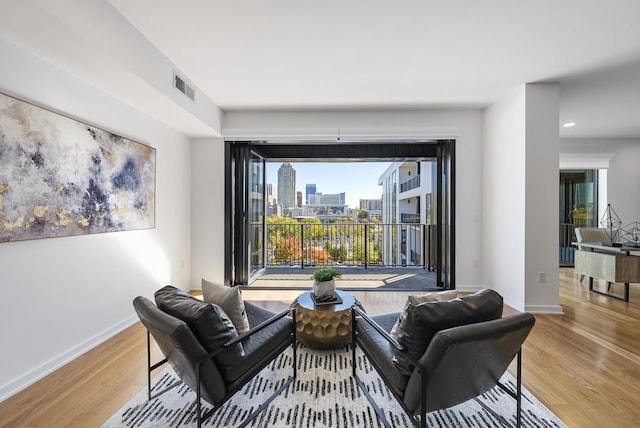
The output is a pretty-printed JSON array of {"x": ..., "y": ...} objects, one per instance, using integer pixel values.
[{"x": 326, "y": 273}]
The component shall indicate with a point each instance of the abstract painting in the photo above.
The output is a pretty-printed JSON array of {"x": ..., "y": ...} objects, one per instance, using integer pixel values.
[{"x": 61, "y": 177}]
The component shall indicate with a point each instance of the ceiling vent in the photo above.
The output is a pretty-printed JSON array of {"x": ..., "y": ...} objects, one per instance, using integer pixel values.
[{"x": 184, "y": 87}]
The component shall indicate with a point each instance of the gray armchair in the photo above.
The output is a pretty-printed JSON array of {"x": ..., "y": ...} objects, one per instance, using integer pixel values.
[
  {"x": 204, "y": 349},
  {"x": 467, "y": 348}
]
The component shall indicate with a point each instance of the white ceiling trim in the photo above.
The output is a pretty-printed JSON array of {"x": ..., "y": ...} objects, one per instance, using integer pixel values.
[
  {"x": 339, "y": 134},
  {"x": 585, "y": 160}
]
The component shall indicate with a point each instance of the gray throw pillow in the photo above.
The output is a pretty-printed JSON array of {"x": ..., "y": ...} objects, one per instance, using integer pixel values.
[
  {"x": 230, "y": 300},
  {"x": 433, "y": 296},
  {"x": 211, "y": 326},
  {"x": 421, "y": 322}
]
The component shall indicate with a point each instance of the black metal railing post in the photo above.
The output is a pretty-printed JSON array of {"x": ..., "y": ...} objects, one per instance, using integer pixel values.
[
  {"x": 365, "y": 238},
  {"x": 302, "y": 245}
]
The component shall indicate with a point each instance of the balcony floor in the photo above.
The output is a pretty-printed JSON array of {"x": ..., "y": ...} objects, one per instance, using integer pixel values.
[{"x": 379, "y": 278}]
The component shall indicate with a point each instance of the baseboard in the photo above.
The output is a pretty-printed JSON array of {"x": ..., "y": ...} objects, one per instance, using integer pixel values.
[
  {"x": 50, "y": 366},
  {"x": 534, "y": 309},
  {"x": 551, "y": 310}
]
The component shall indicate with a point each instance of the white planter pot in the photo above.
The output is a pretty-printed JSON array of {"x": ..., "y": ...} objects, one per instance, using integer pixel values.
[{"x": 324, "y": 288}]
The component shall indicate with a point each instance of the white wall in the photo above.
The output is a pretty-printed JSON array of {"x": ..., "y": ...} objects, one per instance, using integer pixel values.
[
  {"x": 465, "y": 125},
  {"x": 208, "y": 210},
  {"x": 62, "y": 296},
  {"x": 504, "y": 197},
  {"x": 521, "y": 197},
  {"x": 623, "y": 174},
  {"x": 542, "y": 198},
  {"x": 95, "y": 42}
]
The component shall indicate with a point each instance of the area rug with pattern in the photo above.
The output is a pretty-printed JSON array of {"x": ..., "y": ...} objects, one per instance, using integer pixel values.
[{"x": 324, "y": 394}]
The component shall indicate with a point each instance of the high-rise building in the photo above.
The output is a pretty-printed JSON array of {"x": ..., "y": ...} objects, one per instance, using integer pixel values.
[
  {"x": 287, "y": 185},
  {"x": 329, "y": 198},
  {"x": 407, "y": 190},
  {"x": 309, "y": 190},
  {"x": 373, "y": 207},
  {"x": 371, "y": 204},
  {"x": 298, "y": 198}
]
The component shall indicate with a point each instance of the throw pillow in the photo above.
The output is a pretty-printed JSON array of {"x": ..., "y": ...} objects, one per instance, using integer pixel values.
[
  {"x": 421, "y": 322},
  {"x": 211, "y": 326},
  {"x": 229, "y": 299},
  {"x": 434, "y": 296}
]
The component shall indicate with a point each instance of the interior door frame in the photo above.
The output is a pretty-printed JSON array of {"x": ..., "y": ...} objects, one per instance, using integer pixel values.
[{"x": 236, "y": 182}]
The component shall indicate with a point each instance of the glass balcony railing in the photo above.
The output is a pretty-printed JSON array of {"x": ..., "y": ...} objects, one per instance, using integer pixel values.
[
  {"x": 410, "y": 218},
  {"x": 412, "y": 183}
]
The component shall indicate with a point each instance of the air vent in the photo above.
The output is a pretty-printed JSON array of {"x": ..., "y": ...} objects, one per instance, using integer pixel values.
[{"x": 184, "y": 87}]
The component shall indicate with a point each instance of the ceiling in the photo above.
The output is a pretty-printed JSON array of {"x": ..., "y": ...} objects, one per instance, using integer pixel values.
[{"x": 414, "y": 54}]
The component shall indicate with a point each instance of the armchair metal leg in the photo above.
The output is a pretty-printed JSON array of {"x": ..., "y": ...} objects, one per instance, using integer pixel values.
[
  {"x": 149, "y": 365},
  {"x": 519, "y": 389},
  {"x": 202, "y": 418},
  {"x": 375, "y": 406},
  {"x": 353, "y": 343},
  {"x": 517, "y": 395},
  {"x": 151, "y": 368},
  {"x": 295, "y": 345}
]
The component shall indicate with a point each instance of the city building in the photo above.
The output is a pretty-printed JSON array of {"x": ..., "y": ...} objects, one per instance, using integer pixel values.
[
  {"x": 323, "y": 212},
  {"x": 287, "y": 186},
  {"x": 320, "y": 198},
  {"x": 298, "y": 198},
  {"x": 310, "y": 189},
  {"x": 373, "y": 207},
  {"x": 407, "y": 194}
]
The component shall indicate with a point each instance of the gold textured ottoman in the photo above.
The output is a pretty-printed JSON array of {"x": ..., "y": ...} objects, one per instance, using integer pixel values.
[{"x": 324, "y": 326}]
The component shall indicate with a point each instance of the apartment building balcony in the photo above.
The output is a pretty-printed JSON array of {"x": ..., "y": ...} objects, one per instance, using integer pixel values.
[
  {"x": 409, "y": 218},
  {"x": 410, "y": 184}
]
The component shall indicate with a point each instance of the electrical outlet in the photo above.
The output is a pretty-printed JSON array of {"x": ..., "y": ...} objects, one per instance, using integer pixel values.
[{"x": 542, "y": 277}]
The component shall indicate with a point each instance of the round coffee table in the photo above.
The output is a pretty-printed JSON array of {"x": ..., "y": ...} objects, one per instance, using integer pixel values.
[{"x": 324, "y": 326}]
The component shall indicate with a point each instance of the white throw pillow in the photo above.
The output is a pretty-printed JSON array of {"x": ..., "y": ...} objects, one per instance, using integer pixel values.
[
  {"x": 433, "y": 296},
  {"x": 230, "y": 300}
]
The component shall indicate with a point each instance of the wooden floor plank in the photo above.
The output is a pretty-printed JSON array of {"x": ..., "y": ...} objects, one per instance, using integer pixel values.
[{"x": 583, "y": 365}]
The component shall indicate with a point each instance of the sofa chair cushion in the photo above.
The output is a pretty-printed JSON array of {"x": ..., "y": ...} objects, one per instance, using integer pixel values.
[
  {"x": 380, "y": 351},
  {"x": 259, "y": 347},
  {"x": 433, "y": 296},
  {"x": 230, "y": 300},
  {"x": 421, "y": 322},
  {"x": 208, "y": 322},
  {"x": 595, "y": 234}
]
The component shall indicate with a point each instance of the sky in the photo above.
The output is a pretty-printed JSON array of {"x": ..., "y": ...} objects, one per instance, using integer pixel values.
[{"x": 359, "y": 180}]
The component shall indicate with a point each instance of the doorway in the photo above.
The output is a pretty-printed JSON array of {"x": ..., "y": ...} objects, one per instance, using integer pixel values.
[
  {"x": 246, "y": 197},
  {"x": 578, "y": 208}
]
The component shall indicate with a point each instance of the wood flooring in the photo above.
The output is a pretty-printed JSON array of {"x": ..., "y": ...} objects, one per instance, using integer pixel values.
[{"x": 583, "y": 365}]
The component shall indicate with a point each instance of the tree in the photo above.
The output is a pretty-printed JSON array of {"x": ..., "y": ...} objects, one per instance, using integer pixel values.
[
  {"x": 363, "y": 214},
  {"x": 320, "y": 255},
  {"x": 288, "y": 249},
  {"x": 338, "y": 253}
]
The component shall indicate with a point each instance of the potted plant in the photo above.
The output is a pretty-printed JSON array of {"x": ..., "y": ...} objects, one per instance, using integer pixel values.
[{"x": 324, "y": 285}]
